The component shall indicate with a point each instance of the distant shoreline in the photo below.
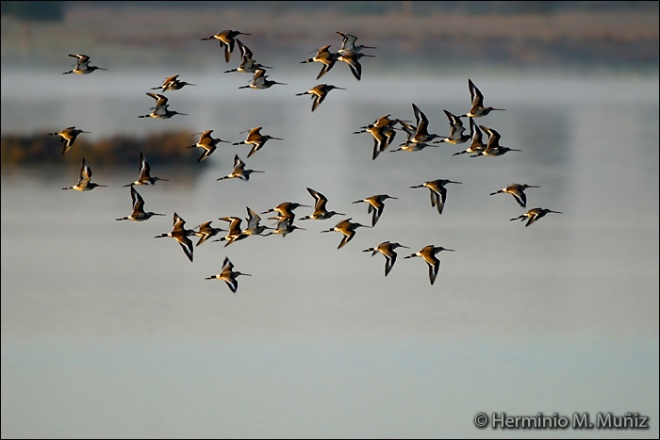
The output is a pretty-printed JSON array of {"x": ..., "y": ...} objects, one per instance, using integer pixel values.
[
  {"x": 158, "y": 35},
  {"x": 129, "y": 37}
]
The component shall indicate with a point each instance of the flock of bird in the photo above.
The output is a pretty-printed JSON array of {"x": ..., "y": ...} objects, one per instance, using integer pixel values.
[{"x": 383, "y": 131}]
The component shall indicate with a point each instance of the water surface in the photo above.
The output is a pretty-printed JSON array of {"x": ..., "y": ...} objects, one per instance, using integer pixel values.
[{"x": 109, "y": 332}]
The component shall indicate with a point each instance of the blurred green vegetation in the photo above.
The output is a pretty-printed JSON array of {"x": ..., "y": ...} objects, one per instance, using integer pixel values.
[{"x": 43, "y": 148}]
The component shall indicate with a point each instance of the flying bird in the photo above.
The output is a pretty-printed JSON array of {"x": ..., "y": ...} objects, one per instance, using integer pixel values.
[
  {"x": 325, "y": 57},
  {"x": 68, "y": 137},
  {"x": 145, "y": 174},
  {"x": 227, "y": 40},
  {"x": 320, "y": 211},
  {"x": 239, "y": 171},
  {"x": 228, "y": 275},
  {"x": 388, "y": 250},
  {"x": 347, "y": 229},
  {"x": 180, "y": 234},
  {"x": 85, "y": 181},
  {"x": 517, "y": 190},
  {"x": 375, "y": 206},
  {"x": 161, "y": 110},
  {"x": 82, "y": 65},
  {"x": 428, "y": 253},
  {"x": 438, "y": 192},
  {"x": 256, "y": 139},
  {"x": 208, "y": 143},
  {"x": 319, "y": 93},
  {"x": 477, "y": 98},
  {"x": 172, "y": 83},
  {"x": 138, "y": 214},
  {"x": 534, "y": 214}
]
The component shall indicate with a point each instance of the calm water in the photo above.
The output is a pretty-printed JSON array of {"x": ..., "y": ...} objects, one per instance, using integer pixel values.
[{"x": 108, "y": 332}]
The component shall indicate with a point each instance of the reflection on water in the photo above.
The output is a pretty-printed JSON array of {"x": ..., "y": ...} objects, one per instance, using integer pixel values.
[{"x": 561, "y": 316}]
